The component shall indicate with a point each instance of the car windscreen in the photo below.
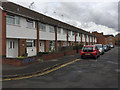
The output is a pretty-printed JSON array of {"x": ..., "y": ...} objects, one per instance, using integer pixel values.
[
  {"x": 99, "y": 46},
  {"x": 87, "y": 49}
]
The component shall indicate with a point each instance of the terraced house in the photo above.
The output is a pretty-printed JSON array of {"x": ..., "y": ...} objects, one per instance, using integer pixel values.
[{"x": 24, "y": 30}]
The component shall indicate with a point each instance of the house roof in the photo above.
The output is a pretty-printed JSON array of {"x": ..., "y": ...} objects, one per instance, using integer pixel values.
[
  {"x": 11, "y": 7},
  {"x": 108, "y": 36}
]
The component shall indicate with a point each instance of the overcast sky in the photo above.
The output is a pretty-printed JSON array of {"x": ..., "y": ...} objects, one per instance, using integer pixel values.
[{"x": 101, "y": 16}]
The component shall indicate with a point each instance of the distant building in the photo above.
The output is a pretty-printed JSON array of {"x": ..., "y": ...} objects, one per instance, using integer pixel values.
[
  {"x": 109, "y": 39},
  {"x": 117, "y": 39},
  {"x": 100, "y": 37}
]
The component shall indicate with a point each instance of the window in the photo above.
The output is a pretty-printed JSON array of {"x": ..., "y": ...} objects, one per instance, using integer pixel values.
[
  {"x": 11, "y": 19},
  {"x": 73, "y": 33},
  {"x": 79, "y": 34},
  {"x": 29, "y": 43},
  {"x": 69, "y": 32},
  {"x": 64, "y": 31},
  {"x": 51, "y": 28},
  {"x": 31, "y": 23},
  {"x": 17, "y": 20},
  {"x": 34, "y": 42},
  {"x": 40, "y": 44},
  {"x": 111, "y": 39},
  {"x": 12, "y": 44},
  {"x": 58, "y": 30},
  {"x": 42, "y": 27}
]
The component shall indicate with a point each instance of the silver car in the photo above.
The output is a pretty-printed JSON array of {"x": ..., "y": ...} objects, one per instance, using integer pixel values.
[{"x": 100, "y": 47}]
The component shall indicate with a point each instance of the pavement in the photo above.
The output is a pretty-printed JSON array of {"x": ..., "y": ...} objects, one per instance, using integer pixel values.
[{"x": 9, "y": 71}]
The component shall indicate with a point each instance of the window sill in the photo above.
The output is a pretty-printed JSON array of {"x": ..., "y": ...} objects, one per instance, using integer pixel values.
[
  {"x": 42, "y": 30},
  {"x": 52, "y": 32},
  {"x": 31, "y": 28},
  {"x": 18, "y": 25}
]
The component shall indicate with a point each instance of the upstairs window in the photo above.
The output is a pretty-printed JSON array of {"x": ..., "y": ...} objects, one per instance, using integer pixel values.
[
  {"x": 69, "y": 33},
  {"x": 79, "y": 34},
  {"x": 31, "y": 23},
  {"x": 51, "y": 28},
  {"x": 12, "y": 19},
  {"x": 64, "y": 31},
  {"x": 73, "y": 33},
  {"x": 42, "y": 27},
  {"x": 58, "y": 30}
]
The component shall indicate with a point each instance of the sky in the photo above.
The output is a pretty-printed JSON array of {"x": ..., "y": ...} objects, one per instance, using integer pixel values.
[{"x": 89, "y": 15}]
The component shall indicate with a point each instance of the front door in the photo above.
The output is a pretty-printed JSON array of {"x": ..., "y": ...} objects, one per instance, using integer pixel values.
[
  {"x": 42, "y": 46},
  {"x": 12, "y": 48}
]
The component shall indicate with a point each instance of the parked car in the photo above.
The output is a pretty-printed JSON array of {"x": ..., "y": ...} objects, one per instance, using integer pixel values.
[
  {"x": 105, "y": 48},
  {"x": 108, "y": 47},
  {"x": 111, "y": 46},
  {"x": 100, "y": 47},
  {"x": 90, "y": 51}
]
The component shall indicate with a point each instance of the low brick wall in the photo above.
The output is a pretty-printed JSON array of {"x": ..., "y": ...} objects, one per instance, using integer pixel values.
[
  {"x": 70, "y": 52},
  {"x": 19, "y": 61},
  {"x": 52, "y": 56}
]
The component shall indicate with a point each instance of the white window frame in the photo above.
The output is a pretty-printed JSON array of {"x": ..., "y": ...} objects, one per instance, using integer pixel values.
[
  {"x": 30, "y": 23},
  {"x": 14, "y": 18},
  {"x": 42, "y": 26},
  {"x": 64, "y": 32},
  {"x": 58, "y": 30},
  {"x": 51, "y": 29}
]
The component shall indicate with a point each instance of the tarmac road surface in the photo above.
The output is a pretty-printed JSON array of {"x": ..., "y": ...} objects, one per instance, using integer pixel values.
[{"x": 86, "y": 73}]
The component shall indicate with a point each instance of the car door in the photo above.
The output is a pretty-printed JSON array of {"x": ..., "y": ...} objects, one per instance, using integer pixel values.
[{"x": 97, "y": 50}]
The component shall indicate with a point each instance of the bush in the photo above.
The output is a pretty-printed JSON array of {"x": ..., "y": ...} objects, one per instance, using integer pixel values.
[
  {"x": 20, "y": 57},
  {"x": 42, "y": 53}
]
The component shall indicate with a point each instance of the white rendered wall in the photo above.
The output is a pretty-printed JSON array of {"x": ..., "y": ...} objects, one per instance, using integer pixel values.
[
  {"x": 83, "y": 38},
  {"x": 90, "y": 39},
  {"x": 21, "y": 31},
  {"x": 46, "y": 35},
  {"x": 71, "y": 37},
  {"x": 61, "y": 36},
  {"x": 87, "y": 39},
  {"x": 78, "y": 38}
]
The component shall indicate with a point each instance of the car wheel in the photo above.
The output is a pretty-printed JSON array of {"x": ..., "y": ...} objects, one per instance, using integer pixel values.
[
  {"x": 81, "y": 57},
  {"x": 95, "y": 56}
]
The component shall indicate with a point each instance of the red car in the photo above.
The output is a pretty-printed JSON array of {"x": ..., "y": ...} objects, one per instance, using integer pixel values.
[{"x": 90, "y": 51}]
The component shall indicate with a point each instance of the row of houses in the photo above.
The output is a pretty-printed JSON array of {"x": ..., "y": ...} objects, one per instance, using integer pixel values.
[{"x": 24, "y": 30}]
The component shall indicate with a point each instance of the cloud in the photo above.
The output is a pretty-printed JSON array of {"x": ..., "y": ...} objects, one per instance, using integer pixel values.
[{"x": 86, "y": 15}]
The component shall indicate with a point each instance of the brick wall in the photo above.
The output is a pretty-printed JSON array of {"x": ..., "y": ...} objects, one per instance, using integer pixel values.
[
  {"x": 21, "y": 47},
  {"x": 52, "y": 56},
  {"x": 18, "y": 61},
  {"x": 101, "y": 37},
  {"x": 3, "y": 32},
  {"x": 110, "y": 40},
  {"x": 70, "y": 52},
  {"x": 47, "y": 42}
]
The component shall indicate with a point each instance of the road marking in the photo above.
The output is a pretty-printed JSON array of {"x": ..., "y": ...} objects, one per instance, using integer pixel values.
[{"x": 40, "y": 74}]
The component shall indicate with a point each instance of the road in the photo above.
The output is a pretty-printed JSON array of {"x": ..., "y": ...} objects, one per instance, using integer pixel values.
[{"x": 86, "y": 73}]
